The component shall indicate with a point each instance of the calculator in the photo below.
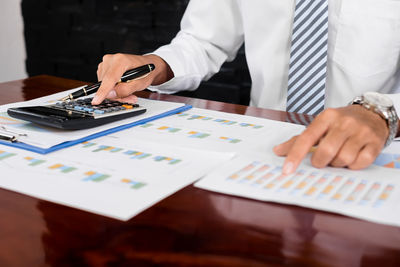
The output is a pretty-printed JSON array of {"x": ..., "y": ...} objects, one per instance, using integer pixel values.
[{"x": 77, "y": 114}]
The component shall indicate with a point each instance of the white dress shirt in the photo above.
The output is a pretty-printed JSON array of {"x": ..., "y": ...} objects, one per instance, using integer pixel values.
[{"x": 363, "y": 49}]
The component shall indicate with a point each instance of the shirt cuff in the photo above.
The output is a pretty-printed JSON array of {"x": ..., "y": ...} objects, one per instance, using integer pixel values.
[{"x": 182, "y": 80}]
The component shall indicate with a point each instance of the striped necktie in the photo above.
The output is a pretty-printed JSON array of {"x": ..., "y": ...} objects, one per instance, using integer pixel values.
[{"x": 308, "y": 57}]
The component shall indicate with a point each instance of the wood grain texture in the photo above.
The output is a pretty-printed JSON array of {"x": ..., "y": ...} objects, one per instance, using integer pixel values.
[{"x": 193, "y": 227}]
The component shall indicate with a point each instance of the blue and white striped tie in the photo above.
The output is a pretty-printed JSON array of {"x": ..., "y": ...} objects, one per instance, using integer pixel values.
[{"x": 308, "y": 57}]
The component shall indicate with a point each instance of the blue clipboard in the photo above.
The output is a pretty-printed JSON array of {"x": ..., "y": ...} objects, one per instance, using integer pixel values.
[{"x": 95, "y": 135}]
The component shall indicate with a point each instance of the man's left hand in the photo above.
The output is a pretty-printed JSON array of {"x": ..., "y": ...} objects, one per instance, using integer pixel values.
[{"x": 349, "y": 137}]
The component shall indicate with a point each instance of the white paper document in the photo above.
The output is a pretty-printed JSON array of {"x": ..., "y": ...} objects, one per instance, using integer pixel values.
[
  {"x": 215, "y": 131},
  {"x": 46, "y": 137},
  {"x": 122, "y": 174},
  {"x": 372, "y": 194},
  {"x": 111, "y": 177}
]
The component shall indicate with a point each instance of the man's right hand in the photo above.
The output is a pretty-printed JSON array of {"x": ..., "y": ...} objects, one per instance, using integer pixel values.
[{"x": 113, "y": 67}]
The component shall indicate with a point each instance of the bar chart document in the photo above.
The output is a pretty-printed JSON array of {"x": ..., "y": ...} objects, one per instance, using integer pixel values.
[
  {"x": 372, "y": 194},
  {"x": 215, "y": 131},
  {"x": 108, "y": 176}
]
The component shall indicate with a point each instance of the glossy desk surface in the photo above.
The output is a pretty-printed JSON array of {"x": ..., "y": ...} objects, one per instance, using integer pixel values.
[{"x": 193, "y": 227}]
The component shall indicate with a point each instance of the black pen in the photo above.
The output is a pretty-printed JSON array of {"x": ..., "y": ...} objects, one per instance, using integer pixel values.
[{"x": 130, "y": 75}]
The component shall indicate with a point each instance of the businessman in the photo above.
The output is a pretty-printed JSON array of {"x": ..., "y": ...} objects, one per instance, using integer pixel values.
[{"x": 304, "y": 56}]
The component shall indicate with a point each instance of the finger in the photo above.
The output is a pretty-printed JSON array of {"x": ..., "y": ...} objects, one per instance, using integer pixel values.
[
  {"x": 126, "y": 89},
  {"x": 108, "y": 84},
  {"x": 132, "y": 99},
  {"x": 329, "y": 146},
  {"x": 365, "y": 157},
  {"x": 348, "y": 152},
  {"x": 100, "y": 71},
  {"x": 121, "y": 90},
  {"x": 304, "y": 143},
  {"x": 284, "y": 148}
]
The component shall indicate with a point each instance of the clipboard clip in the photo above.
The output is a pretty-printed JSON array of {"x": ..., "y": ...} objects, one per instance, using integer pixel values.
[{"x": 8, "y": 135}]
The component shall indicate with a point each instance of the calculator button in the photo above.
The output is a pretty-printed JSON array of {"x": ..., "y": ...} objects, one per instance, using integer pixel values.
[
  {"x": 128, "y": 106},
  {"x": 98, "y": 111}
]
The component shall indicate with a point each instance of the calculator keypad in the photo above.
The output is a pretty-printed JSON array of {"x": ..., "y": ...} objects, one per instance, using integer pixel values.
[{"x": 106, "y": 108}]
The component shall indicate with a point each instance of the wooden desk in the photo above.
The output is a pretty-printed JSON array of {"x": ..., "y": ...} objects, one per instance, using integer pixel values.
[{"x": 190, "y": 228}]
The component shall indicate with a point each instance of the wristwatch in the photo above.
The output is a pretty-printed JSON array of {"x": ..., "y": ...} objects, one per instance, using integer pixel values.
[{"x": 383, "y": 106}]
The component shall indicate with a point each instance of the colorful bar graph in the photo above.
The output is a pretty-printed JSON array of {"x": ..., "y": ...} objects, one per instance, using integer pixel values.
[
  {"x": 330, "y": 187},
  {"x": 194, "y": 134},
  {"x": 251, "y": 125},
  {"x": 370, "y": 193},
  {"x": 243, "y": 170},
  {"x": 293, "y": 179},
  {"x": 133, "y": 184},
  {"x": 4, "y": 155},
  {"x": 305, "y": 182},
  {"x": 272, "y": 173},
  {"x": 384, "y": 196},
  {"x": 343, "y": 189},
  {"x": 357, "y": 191},
  {"x": 219, "y": 120},
  {"x": 171, "y": 161},
  {"x": 198, "y": 117},
  {"x": 230, "y": 140},
  {"x": 169, "y": 129},
  {"x": 34, "y": 162},
  {"x": 88, "y": 144},
  {"x": 108, "y": 148},
  {"x": 137, "y": 154},
  {"x": 276, "y": 181},
  {"x": 256, "y": 173},
  {"x": 146, "y": 125},
  {"x": 316, "y": 186},
  {"x": 225, "y": 122},
  {"x": 62, "y": 168},
  {"x": 95, "y": 176}
]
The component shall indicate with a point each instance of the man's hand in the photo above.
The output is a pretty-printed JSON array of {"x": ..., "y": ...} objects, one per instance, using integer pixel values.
[
  {"x": 113, "y": 66},
  {"x": 350, "y": 137}
]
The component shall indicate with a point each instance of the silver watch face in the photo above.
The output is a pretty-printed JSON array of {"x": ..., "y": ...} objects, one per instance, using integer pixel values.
[{"x": 377, "y": 99}]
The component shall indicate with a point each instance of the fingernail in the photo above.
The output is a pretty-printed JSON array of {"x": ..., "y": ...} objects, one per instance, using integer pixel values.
[
  {"x": 112, "y": 94},
  {"x": 96, "y": 100},
  {"x": 287, "y": 168}
]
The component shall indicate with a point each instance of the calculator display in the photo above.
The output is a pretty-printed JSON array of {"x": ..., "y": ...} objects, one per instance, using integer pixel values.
[{"x": 77, "y": 114}]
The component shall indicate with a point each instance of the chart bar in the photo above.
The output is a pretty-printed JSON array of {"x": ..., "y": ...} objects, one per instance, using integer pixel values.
[
  {"x": 4, "y": 155},
  {"x": 95, "y": 177},
  {"x": 34, "y": 162}
]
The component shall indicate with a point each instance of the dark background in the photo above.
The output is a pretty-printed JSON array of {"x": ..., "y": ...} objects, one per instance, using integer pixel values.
[{"x": 68, "y": 38}]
